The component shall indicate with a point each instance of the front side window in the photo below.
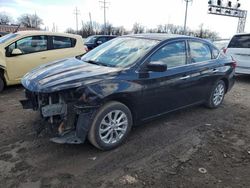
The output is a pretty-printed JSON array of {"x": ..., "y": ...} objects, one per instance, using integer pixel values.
[
  {"x": 173, "y": 55},
  {"x": 29, "y": 44},
  {"x": 199, "y": 52},
  {"x": 120, "y": 52},
  {"x": 62, "y": 42}
]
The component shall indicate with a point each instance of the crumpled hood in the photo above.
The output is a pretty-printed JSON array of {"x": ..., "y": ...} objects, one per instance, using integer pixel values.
[{"x": 65, "y": 74}]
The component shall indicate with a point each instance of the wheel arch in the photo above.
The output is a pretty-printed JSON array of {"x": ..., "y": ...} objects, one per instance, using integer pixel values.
[
  {"x": 225, "y": 80},
  {"x": 2, "y": 70},
  {"x": 127, "y": 101}
]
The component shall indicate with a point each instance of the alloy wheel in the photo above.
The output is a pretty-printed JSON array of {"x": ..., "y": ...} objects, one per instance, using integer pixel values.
[
  {"x": 218, "y": 94},
  {"x": 113, "y": 127}
]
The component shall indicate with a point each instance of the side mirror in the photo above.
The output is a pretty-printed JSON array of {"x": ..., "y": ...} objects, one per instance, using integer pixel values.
[
  {"x": 156, "y": 66},
  {"x": 16, "y": 51},
  {"x": 99, "y": 42}
]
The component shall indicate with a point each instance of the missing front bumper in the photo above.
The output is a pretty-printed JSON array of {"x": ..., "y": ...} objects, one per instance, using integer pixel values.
[{"x": 67, "y": 138}]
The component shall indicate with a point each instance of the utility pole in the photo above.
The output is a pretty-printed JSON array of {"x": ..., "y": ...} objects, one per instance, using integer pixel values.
[
  {"x": 90, "y": 21},
  {"x": 185, "y": 20},
  {"x": 76, "y": 12},
  {"x": 104, "y": 6},
  {"x": 54, "y": 27}
]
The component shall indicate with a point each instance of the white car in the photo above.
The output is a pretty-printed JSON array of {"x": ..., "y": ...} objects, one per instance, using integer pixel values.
[{"x": 239, "y": 49}]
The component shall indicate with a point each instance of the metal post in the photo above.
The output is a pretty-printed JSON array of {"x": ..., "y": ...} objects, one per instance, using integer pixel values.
[
  {"x": 242, "y": 22},
  {"x": 104, "y": 5},
  {"x": 104, "y": 2},
  {"x": 185, "y": 20},
  {"x": 76, "y": 12}
]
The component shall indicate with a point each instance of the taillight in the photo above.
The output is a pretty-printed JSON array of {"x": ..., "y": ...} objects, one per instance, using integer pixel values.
[
  {"x": 224, "y": 50},
  {"x": 234, "y": 63}
]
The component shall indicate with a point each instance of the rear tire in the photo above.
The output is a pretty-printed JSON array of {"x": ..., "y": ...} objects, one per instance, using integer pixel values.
[
  {"x": 111, "y": 126},
  {"x": 217, "y": 95},
  {"x": 1, "y": 84}
]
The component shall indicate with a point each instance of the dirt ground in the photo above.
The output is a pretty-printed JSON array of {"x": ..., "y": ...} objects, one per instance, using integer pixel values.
[{"x": 196, "y": 147}]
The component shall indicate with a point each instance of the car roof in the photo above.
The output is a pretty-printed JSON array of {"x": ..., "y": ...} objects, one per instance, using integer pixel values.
[
  {"x": 35, "y": 32},
  {"x": 159, "y": 36},
  {"x": 239, "y": 34}
]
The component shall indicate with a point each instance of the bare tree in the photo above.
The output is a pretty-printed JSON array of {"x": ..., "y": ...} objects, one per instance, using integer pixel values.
[
  {"x": 138, "y": 28},
  {"x": 5, "y": 18},
  {"x": 70, "y": 30},
  {"x": 109, "y": 29},
  {"x": 30, "y": 20},
  {"x": 119, "y": 31}
]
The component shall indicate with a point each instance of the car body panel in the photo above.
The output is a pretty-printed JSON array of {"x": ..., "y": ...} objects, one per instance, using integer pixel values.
[
  {"x": 242, "y": 57},
  {"x": 240, "y": 54},
  {"x": 16, "y": 66},
  {"x": 65, "y": 74}
]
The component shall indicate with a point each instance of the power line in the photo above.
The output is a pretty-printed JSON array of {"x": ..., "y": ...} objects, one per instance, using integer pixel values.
[
  {"x": 104, "y": 6},
  {"x": 76, "y": 13}
]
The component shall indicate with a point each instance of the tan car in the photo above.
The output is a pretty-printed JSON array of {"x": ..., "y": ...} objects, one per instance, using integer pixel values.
[{"x": 22, "y": 51}]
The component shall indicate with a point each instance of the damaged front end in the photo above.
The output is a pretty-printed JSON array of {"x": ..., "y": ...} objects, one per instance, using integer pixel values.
[{"x": 68, "y": 115}]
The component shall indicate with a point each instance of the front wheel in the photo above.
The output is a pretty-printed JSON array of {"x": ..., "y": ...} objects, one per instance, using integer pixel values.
[
  {"x": 111, "y": 126},
  {"x": 217, "y": 95}
]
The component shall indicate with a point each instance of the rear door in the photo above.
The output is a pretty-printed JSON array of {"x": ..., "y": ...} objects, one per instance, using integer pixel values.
[
  {"x": 61, "y": 47},
  {"x": 205, "y": 67},
  {"x": 239, "y": 49}
]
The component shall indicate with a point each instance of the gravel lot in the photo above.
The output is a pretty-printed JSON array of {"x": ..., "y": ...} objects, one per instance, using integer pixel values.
[{"x": 196, "y": 147}]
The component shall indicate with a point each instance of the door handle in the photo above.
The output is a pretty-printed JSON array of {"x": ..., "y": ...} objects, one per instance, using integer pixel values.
[
  {"x": 185, "y": 77},
  {"x": 43, "y": 57}
]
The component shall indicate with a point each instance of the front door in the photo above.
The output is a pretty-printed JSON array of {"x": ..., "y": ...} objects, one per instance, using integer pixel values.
[
  {"x": 172, "y": 89},
  {"x": 33, "y": 50}
]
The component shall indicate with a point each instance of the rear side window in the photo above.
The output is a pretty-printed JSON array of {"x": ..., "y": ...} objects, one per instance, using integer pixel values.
[
  {"x": 199, "y": 52},
  {"x": 63, "y": 42},
  {"x": 240, "y": 41}
]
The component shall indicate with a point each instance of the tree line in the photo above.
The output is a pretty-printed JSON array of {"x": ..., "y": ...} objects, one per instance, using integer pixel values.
[
  {"x": 25, "y": 20},
  {"x": 95, "y": 28}
]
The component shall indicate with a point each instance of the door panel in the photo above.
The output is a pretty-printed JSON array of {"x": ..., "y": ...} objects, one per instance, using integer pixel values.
[
  {"x": 33, "y": 50},
  {"x": 18, "y": 66},
  {"x": 172, "y": 89}
]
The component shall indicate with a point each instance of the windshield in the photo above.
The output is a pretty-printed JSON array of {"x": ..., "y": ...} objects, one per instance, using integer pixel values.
[
  {"x": 5, "y": 38},
  {"x": 90, "y": 39},
  {"x": 120, "y": 52}
]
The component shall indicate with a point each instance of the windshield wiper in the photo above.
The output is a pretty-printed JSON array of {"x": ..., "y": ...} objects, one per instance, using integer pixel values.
[{"x": 97, "y": 63}]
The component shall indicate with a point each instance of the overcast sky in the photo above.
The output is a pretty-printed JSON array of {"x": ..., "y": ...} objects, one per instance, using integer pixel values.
[{"x": 126, "y": 13}]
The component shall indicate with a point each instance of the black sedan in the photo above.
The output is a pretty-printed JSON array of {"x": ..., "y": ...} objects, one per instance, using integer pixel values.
[{"x": 125, "y": 82}]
